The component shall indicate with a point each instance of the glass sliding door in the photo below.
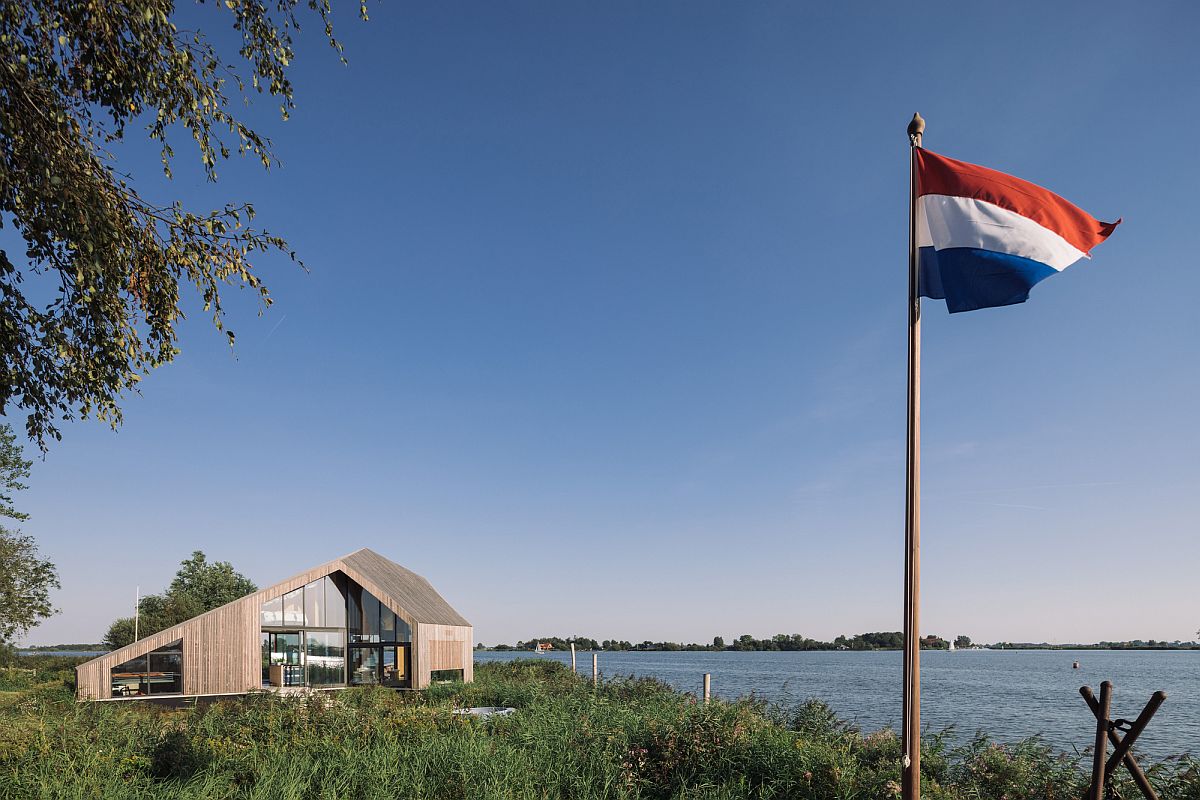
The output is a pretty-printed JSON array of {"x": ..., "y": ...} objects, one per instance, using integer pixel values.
[
  {"x": 285, "y": 659},
  {"x": 364, "y": 666}
]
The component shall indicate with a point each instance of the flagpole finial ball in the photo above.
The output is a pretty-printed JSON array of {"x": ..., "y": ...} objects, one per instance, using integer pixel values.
[{"x": 916, "y": 128}]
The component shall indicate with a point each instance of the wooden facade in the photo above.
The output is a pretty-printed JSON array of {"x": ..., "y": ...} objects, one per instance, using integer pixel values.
[{"x": 222, "y": 651}]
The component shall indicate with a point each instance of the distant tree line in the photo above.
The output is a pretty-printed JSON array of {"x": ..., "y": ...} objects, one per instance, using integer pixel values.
[
  {"x": 1132, "y": 644},
  {"x": 885, "y": 640}
]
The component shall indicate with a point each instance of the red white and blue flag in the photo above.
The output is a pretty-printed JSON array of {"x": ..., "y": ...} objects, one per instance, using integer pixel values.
[{"x": 985, "y": 238}]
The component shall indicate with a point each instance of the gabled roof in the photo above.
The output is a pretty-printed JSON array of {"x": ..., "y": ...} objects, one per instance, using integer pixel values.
[{"x": 410, "y": 591}]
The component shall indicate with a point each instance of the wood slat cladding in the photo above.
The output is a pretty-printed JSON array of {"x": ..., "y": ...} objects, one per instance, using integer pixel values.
[
  {"x": 221, "y": 648},
  {"x": 445, "y": 647}
]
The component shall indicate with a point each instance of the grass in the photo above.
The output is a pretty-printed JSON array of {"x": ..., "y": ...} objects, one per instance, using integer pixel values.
[{"x": 630, "y": 738}]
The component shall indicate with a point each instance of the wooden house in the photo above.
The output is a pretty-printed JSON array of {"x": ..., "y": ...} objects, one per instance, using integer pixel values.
[{"x": 358, "y": 620}]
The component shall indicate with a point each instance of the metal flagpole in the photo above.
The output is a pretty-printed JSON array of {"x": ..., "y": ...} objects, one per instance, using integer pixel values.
[
  {"x": 910, "y": 783},
  {"x": 137, "y": 608}
]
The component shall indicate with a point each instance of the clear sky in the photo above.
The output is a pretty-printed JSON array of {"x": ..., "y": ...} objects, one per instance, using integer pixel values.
[{"x": 604, "y": 332}]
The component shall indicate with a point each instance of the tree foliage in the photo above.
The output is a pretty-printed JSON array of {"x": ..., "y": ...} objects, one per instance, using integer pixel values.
[
  {"x": 25, "y": 577},
  {"x": 209, "y": 585},
  {"x": 94, "y": 302},
  {"x": 198, "y": 586},
  {"x": 13, "y": 467},
  {"x": 25, "y": 584}
]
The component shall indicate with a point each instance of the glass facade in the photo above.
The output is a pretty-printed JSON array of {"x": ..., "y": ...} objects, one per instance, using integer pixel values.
[
  {"x": 326, "y": 657},
  {"x": 272, "y": 612},
  {"x": 293, "y": 607},
  {"x": 282, "y": 659},
  {"x": 364, "y": 666},
  {"x": 158, "y": 672},
  {"x": 335, "y": 600},
  {"x": 396, "y": 665},
  {"x": 331, "y": 632},
  {"x": 445, "y": 675},
  {"x": 314, "y": 604}
]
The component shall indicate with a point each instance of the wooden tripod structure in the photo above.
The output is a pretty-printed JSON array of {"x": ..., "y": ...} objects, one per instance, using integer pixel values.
[{"x": 1103, "y": 765}]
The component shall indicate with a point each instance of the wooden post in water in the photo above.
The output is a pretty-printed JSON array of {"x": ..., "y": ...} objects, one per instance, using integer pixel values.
[
  {"x": 910, "y": 777},
  {"x": 707, "y": 687},
  {"x": 595, "y": 669},
  {"x": 573, "y": 658},
  {"x": 1101, "y": 753}
]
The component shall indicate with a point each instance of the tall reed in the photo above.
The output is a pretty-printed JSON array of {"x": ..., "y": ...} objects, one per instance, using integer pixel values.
[{"x": 628, "y": 738}]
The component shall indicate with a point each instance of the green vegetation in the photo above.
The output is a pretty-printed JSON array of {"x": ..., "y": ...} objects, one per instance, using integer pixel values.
[
  {"x": 85, "y": 647},
  {"x": 26, "y": 578},
  {"x": 198, "y": 586},
  {"x": 626, "y": 739},
  {"x": 93, "y": 297}
]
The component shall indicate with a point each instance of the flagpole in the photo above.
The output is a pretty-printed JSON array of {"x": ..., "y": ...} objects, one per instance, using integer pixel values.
[{"x": 910, "y": 783}]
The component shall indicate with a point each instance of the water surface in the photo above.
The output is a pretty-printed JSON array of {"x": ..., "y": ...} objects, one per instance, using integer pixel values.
[{"x": 1010, "y": 694}]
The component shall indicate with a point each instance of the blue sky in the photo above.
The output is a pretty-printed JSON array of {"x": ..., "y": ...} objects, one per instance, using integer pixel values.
[{"x": 604, "y": 331}]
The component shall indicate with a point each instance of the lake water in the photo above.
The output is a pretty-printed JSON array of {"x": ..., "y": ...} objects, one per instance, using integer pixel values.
[{"x": 1010, "y": 694}]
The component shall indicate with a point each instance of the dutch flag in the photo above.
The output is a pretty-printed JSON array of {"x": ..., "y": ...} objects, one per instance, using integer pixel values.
[{"x": 985, "y": 238}]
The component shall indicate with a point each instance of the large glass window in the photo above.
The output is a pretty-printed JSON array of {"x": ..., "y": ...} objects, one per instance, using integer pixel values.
[
  {"x": 387, "y": 624},
  {"x": 272, "y": 612},
  {"x": 158, "y": 672},
  {"x": 326, "y": 658},
  {"x": 354, "y": 594},
  {"x": 335, "y": 601},
  {"x": 284, "y": 660},
  {"x": 364, "y": 666},
  {"x": 392, "y": 626},
  {"x": 370, "y": 620},
  {"x": 314, "y": 604},
  {"x": 293, "y": 607},
  {"x": 403, "y": 631},
  {"x": 320, "y": 604},
  {"x": 396, "y": 666},
  {"x": 363, "y": 612}
]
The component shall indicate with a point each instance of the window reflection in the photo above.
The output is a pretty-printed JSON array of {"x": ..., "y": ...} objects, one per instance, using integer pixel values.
[
  {"x": 272, "y": 612},
  {"x": 370, "y": 618},
  {"x": 293, "y": 607},
  {"x": 396, "y": 666},
  {"x": 314, "y": 604},
  {"x": 335, "y": 601},
  {"x": 158, "y": 672},
  {"x": 326, "y": 655},
  {"x": 334, "y": 632},
  {"x": 364, "y": 666}
]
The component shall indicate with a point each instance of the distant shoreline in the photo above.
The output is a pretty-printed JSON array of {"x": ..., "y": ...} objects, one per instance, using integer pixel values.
[
  {"x": 1058, "y": 647},
  {"x": 97, "y": 649}
]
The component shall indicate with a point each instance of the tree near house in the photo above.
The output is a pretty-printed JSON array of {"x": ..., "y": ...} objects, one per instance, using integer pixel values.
[
  {"x": 93, "y": 300},
  {"x": 208, "y": 585},
  {"x": 26, "y": 578},
  {"x": 198, "y": 586}
]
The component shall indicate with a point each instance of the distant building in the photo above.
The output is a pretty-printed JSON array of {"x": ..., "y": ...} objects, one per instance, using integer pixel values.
[{"x": 358, "y": 620}]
